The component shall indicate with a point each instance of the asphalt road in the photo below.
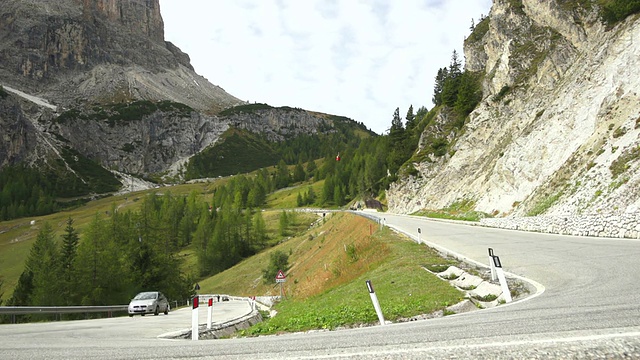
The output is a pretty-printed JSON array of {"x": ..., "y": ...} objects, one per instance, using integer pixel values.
[{"x": 587, "y": 306}]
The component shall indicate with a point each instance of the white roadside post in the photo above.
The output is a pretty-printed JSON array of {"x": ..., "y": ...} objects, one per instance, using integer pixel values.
[
  {"x": 209, "y": 313},
  {"x": 376, "y": 304},
  {"x": 419, "y": 232},
  {"x": 194, "y": 318},
  {"x": 491, "y": 265},
  {"x": 503, "y": 281}
]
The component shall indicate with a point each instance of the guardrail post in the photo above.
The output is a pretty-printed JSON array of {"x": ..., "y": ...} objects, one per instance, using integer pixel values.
[
  {"x": 491, "y": 265},
  {"x": 506, "y": 293},
  {"x": 376, "y": 304},
  {"x": 210, "y": 313},
  {"x": 194, "y": 318}
]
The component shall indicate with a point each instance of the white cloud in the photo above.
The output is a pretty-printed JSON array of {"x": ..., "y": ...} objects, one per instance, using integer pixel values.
[{"x": 359, "y": 59}]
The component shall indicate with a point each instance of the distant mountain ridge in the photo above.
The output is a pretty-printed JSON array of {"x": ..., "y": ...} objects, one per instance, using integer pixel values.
[{"x": 94, "y": 80}]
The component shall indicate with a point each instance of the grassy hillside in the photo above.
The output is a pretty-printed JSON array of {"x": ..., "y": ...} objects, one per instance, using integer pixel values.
[
  {"x": 330, "y": 258},
  {"x": 330, "y": 263},
  {"x": 17, "y": 236}
]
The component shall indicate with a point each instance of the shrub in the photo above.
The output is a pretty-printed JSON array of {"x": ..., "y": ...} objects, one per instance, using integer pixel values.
[
  {"x": 479, "y": 30},
  {"x": 505, "y": 89},
  {"x": 279, "y": 260},
  {"x": 619, "y": 132},
  {"x": 614, "y": 11},
  {"x": 621, "y": 164}
]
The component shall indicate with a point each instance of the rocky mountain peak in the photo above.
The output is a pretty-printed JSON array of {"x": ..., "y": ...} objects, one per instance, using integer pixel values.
[
  {"x": 99, "y": 51},
  {"x": 141, "y": 16}
]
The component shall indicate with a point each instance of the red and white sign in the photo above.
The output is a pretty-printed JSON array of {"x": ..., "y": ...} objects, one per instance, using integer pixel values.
[{"x": 280, "y": 278}]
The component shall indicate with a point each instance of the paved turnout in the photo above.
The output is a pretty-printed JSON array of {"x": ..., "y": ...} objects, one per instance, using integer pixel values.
[{"x": 588, "y": 306}]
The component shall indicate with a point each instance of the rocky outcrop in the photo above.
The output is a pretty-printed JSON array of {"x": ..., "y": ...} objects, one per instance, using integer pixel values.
[
  {"x": 151, "y": 144},
  {"x": 18, "y": 138},
  {"x": 76, "y": 55},
  {"x": 557, "y": 129},
  {"x": 98, "y": 51},
  {"x": 280, "y": 123},
  {"x": 139, "y": 17}
]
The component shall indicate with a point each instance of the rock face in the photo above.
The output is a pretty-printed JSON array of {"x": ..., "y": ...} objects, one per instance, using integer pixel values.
[
  {"x": 557, "y": 129},
  {"x": 96, "y": 76},
  {"x": 86, "y": 53},
  {"x": 18, "y": 139},
  {"x": 99, "y": 50},
  {"x": 151, "y": 144},
  {"x": 279, "y": 123}
]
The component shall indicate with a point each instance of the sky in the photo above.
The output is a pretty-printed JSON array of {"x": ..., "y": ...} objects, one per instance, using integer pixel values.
[{"x": 354, "y": 58}]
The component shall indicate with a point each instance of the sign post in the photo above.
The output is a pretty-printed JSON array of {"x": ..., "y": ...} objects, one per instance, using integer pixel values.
[
  {"x": 491, "y": 265},
  {"x": 210, "y": 313},
  {"x": 280, "y": 278},
  {"x": 503, "y": 281},
  {"x": 194, "y": 318},
  {"x": 376, "y": 304}
]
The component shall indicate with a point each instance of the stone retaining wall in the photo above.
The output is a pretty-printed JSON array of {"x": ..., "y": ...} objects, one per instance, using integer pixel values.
[{"x": 602, "y": 225}]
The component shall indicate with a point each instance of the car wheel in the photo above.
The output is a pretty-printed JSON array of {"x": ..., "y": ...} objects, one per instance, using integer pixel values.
[
  {"x": 130, "y": 315},
  {"x": 166, "y": 310},
  {"x": 155, "y": 312}
]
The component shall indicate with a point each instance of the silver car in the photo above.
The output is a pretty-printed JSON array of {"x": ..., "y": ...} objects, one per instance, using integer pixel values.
[{"x": 149, "y": 302}]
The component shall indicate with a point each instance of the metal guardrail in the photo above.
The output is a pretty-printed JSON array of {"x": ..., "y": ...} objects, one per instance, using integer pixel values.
[{"x": 22, "y": 310}]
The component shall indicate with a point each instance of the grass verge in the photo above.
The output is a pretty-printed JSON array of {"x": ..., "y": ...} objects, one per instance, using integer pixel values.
[{"x": 328, "y": 291}]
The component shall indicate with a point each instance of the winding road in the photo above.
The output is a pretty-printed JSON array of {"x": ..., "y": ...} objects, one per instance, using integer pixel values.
[{"x": 587, "y": 305}]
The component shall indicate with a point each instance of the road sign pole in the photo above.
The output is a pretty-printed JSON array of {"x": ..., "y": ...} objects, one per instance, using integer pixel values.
[
  {"x": 492, "y": 266},
  {"x": 280, "y": 278},
  {"x": 194, "y": 318},
  {"x": 210, "y": 313},
  {"x": 506, "y": 293},
  {"x": 376, "y": 304}
]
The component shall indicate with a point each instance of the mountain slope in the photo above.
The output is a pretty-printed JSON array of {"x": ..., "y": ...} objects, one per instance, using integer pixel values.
[
  {"x": 557, "y": 129},
  {"x": 100, "y": 51}
]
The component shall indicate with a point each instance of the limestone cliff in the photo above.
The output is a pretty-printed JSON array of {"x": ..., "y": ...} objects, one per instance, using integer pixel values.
[
  {"x": 96, "y": 78},
  {"x": 100, "y": 51},
  {"x": 558, "y": 128}
]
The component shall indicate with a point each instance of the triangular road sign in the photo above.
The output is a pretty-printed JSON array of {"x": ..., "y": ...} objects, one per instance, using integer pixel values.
[{"x": 280, "y": 275}]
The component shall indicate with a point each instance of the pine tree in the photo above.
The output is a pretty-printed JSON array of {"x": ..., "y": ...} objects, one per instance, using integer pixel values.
[
  {"x": 441, "y": 78},
  {"x": 311, "y": 168},
  {"x": 397, "y": 141},
  {"x": 70, "y": 241},
  {"x": 310, "y": 196},
  {"x": 411, "y": 119},
  {"x": 282, "y": 175},
  {"x": 338, "y": 195},
  {"x": 298, "y": 173},
  {"x": 469, "y": 94},
  {"x": 283, "y": 223},
  {"x": 259, "y": 229},
  {"x": 43, "y": 262},
  {"x": 396, "y": 125}
]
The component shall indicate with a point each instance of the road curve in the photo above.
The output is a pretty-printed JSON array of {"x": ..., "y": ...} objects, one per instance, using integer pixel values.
[{"x": 590, "y": 308}]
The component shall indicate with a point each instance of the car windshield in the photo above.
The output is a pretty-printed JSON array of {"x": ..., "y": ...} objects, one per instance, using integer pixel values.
[{"x": 146, "y": 296}]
